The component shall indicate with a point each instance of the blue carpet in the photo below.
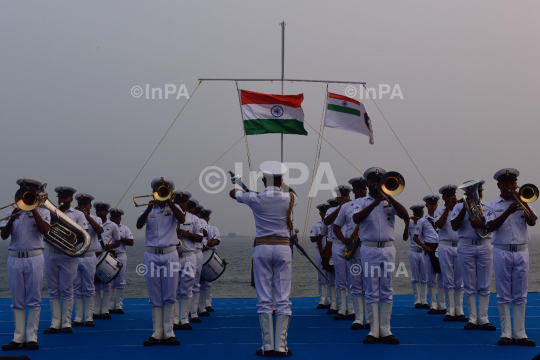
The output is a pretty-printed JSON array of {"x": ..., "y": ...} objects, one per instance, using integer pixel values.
[{"x": 232, "y": 332}]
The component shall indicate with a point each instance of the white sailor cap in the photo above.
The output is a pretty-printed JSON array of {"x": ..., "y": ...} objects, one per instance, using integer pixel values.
[
  {"x": 321, "y": 206},
  {"x": 115, "y": 211},
  {"x": 374, "y": 171},
  {"x": 358, "y": 182},
  {"x": 417, "y": 208},
  {"x": 101, "y": 204},
  {"x": 342, "y": 190},
  {"x": 431, "y": 199},
  {"x": 480, "y": 187},
  {"x": 64, "y": 191},
  {"x": 165, "y": 180},
  {"x": 448, "y": 189},
  {"x": 200, "y": 207},
  {"x": 182, "y": 194},
  {"x": 332, "y": 202},
  {"x": 506, "y": 174},
  {"x": 84, "y": 198},
  {"x": 273, "y": 168},
  {"x": 194, "y": 201},
  {"x": 29, "y": 182},
  {"x": 206, "y": 212}
]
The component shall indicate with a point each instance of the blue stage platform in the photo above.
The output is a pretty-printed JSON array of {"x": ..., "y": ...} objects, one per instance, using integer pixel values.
[{"x": 233, "y": 332}]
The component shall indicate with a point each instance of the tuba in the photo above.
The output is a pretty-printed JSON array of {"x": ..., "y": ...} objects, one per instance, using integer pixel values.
[
  {"x": 349, "y": 251},
  {"x": 473, "y": 204}
]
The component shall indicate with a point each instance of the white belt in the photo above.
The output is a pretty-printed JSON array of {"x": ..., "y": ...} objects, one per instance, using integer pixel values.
[
  {"x": 160, "y": 250},
  {"x": 53, "y": 249},
  {"x": 378, "y": 244},
  {"x": 89, "y": 254},
  {"x": 448, "y": 242},
  {"x": 512, "y": 248},
  {"x": 189, "y": 253},
  {"x": 25, "y": 254},
  {"x": 476, "y": 242},
  {"x": 418, "y": 250}
]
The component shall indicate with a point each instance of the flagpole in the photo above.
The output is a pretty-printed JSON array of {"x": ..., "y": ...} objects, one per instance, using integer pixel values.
[{"x": 282, "y": 71}]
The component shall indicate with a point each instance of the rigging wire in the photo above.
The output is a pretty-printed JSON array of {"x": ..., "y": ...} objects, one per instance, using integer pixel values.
[{"x": 245, "y": 136}]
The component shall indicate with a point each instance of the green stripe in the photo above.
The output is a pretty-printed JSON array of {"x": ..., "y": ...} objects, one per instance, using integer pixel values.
[
  {"x": 270, "y": 126},
  {"x": 344, "y": 109}
]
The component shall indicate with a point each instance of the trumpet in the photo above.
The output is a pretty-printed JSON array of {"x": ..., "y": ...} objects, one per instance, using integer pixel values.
[
  {"x": 161, "y": 192},
  {"x": 26, "y": 199},
  {"x": 528, "y": 193},
  {"x": 393, "y": 184}
]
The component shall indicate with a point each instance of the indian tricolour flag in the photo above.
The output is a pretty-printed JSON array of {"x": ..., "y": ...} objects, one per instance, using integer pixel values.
[
  {"x": 266, "y": 113},
  {"x": 349, "y": 114}
]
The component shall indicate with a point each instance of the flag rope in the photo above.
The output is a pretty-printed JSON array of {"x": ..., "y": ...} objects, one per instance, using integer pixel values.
[{"x": 245, "y": 136}]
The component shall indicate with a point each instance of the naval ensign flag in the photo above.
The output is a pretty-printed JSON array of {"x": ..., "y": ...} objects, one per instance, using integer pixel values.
[
  {"x": 266, "y": 113},
  {"x": 347, "y": 114}
]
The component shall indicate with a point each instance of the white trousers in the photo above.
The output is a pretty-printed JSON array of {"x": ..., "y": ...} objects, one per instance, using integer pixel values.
[
  {"x": 60, "y": 272},
  {"x": 434, "y": 279},
  {"x": 161, "y": 282},
  {"x": 340, "y": 265},
  {"x": 355, "y": 275},
  {"x": 320, "y": 279},
  {"x": 120, "y": 281},
  {"x": 25, "y": 278},
  {"x": 418, "y": 267},
  {"x": 198, "y": 268},
  {"x": 272, "y": 270},
  {"x": 511, "y": 276},
  {"x": 186, "y": 279},
  {"x": 477, "y": 265},
  {"x": 378, "y": 266},
  {"x": 84, "y": 281},
  {"x": 450, "y": 268},
  {"x": 205, "y": 285}
]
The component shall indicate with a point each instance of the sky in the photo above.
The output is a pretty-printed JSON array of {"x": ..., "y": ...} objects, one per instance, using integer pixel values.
[{"x": 467, "y": 71}]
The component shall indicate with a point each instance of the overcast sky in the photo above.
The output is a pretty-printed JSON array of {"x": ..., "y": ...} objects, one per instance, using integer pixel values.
[{"x": 468, "y": 72}]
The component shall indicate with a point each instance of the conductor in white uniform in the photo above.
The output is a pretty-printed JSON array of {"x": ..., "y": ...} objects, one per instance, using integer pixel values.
[{"x": 272, "y": 255}]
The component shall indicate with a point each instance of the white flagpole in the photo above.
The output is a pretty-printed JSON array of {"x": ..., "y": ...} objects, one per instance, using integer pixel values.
[{"x": 282, "y": 71}]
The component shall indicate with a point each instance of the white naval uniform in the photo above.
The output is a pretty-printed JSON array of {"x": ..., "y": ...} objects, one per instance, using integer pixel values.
[
  {"x": 419, "y": 275},
  {"x": 199, "y": 265},
  {"x": 213, "y": 233},
  {"x": 511, "y": 262},
  {"x": 340, "y": 264},
  {"x": 110, "y": 235},
  {"x": 25, "y": 273},
  {"x": 318, "y": 228},
  {"x": 119, "y": 283},
  {"x": 476, "y": 259},
  {"x": 378, "y": 256}
]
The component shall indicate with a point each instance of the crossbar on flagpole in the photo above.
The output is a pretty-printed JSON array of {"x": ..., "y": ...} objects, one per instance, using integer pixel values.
[{"x": 291, "y": 80}]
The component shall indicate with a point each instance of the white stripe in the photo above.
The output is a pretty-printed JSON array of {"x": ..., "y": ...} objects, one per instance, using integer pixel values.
[
  {"x": 264, "y": 111},
  {"x": 349, "y": 104}
]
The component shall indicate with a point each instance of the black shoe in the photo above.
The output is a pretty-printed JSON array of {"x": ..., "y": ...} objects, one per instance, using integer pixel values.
[
  {"x": 172, "y": 341},
  {"x": 357, "y": 326},
  {"x": 151, "y": 342},
  {"x": 328, "y": 306},
  {"x": 32, "y": 345},
  {"x": 89, "y": 324},
  {"x": 462, "y": 318},
  {"x": 321, "y": 306},
  {"x": 267, "y": 353},
  {"x": 351, "y": 317},
  {"x": 196, "y": 320},
  {"x": 176, "y": 327},
  {"x": 96, "y": 316},
  {"x": 209, "y": 309},
  {"x": 112, "y": 311},
  {"x": 449, "y": 318},
  {"x": 525, "y": 342},
  {"x": 274, "y": 313},
  {"x": 119, "y": 311},
  {"x": 426, "y": 306},
  {"x": 51, "y": 330},
  {"x": 67, "y": 330},
  {"x": 186, "y": 326},
  {"x": 370, "y": 340},
  {"x": 76, "y": 324},
  {"x": 204, "y": 313},
  {"x": 14, "y": 346},
  {"x": 340, "y": 317},
  {"x": 331, "y": 312},
  {"x": 504, "y": 341},
  {"x": 418, "y": 306},
  {"x": 283, "y": 353},
  {"x": 442, "y": 312},
  {"x": 106, "y": 316},
  {"x": 367, "y": 326},
  {"x": 487, "y": 327},
  {"x": 432, "y": 311},
  {"x": 470, "y": 326},
  {"x": 390, "y": 339}
]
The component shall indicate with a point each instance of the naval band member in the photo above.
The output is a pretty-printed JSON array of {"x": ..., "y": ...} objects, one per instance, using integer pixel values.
[{"x": 316, "y": 235}]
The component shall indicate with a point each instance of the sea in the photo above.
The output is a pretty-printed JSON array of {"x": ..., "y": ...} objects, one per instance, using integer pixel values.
[{"x": 235, "y": 281}]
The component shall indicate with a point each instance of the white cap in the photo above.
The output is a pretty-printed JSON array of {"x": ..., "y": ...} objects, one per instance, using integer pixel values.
[{"x": 273, "y": 168}]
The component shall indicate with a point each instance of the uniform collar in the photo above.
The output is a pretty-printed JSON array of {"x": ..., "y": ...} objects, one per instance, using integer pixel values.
[
  {"x": 500, "y": 199},
  {"x": 273, "y": 188}
]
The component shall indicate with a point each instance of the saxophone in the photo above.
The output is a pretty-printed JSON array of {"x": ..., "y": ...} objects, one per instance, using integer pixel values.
[{"x": 349, "y": 251}]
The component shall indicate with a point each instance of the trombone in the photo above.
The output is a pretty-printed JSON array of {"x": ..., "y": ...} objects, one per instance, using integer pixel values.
[
  {"x": 161, "y": 192},
  {"x": 528, "y": 193},
  {"x": 393, "y": 184},
  {"x": 26, "y": 199}
]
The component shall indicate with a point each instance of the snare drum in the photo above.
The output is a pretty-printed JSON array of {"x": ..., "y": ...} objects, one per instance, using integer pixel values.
[
  {"x": 107, "y": 267},
  {"x": 213, "y": 265}
]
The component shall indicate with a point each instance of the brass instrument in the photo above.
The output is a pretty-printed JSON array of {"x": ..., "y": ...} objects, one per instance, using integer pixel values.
[
  {"x": 328, "y": 263},
  {"x": 473, "y": 204},
  {"x": 161, "y": 192},
  {"x": 528, "y": 193},
  {"x": 349, "y": 251},
  {"x": 393, "y": 184},
  {"x": 27, "y": 198},
  {"x": 177, "y": 230}
]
